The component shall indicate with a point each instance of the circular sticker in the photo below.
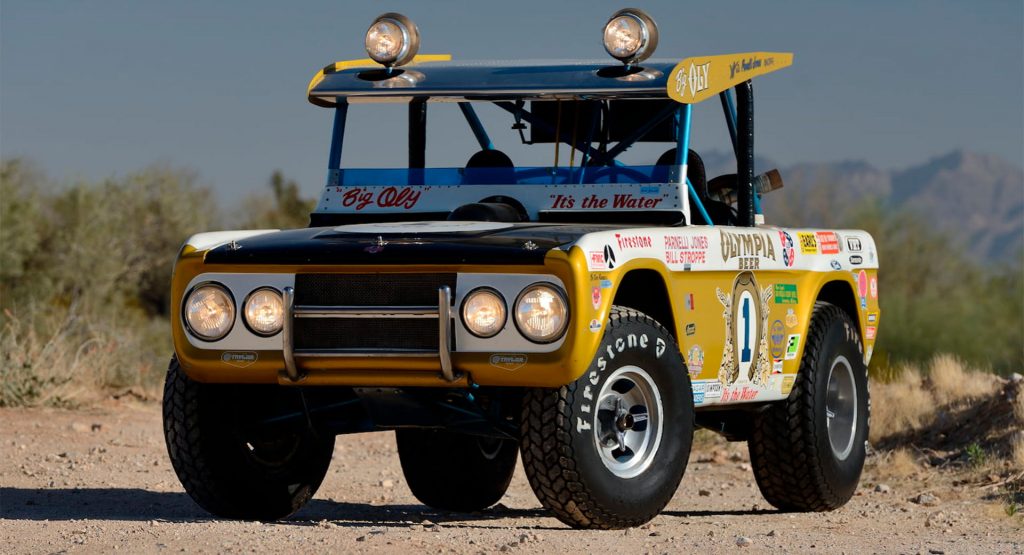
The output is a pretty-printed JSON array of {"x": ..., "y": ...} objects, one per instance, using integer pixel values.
[
  {"x": 874, "y": 288},
  {"x": 778, "y": 336},
  {"x": 788, "y": 252}
]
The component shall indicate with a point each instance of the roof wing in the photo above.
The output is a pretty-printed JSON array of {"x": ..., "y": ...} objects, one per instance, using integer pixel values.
[
  {"x": 361, "y": 63},
  {"x": 695, "y": 79}
]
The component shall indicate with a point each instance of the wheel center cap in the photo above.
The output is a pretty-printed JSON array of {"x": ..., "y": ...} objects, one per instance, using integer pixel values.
[{"x": 625, "y": 422}]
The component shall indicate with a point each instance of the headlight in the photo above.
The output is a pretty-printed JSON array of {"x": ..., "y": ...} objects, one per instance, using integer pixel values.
[
  {"x": 209, "y": 312},
  {"x": 264, "y": 311},
  {"x": 541, "y": 313},
  {"x": 630, "y": 36},
  {"x": 483, "y": 312},
  {"x": 392, "y": 40}
]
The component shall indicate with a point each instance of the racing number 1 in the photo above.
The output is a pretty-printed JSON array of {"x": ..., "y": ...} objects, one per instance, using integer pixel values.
[{"x": 745, "y": 352}]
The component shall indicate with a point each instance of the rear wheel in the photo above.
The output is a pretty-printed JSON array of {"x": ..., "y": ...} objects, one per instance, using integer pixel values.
[
  {"x": 456, "y": 472},
  {"x": 228, "y": 462},
  {"x": 609, "y": 450},
  {"x": 808, "y": 451}
]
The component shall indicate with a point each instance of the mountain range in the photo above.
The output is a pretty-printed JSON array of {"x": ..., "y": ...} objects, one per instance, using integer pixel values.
[{"x": 977, "y": 200}]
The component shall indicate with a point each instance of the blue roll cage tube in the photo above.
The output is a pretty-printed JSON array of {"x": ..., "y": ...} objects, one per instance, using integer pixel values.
[{"x": 682, "y": 115}]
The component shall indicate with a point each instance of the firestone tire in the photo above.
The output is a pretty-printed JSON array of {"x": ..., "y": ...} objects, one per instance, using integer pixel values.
[
  {"x": 808, "y": 451},
  {"x": 229, "y": 469},
  {"x": 456, "y": 472},
  {"x": 608, "y": 450}
]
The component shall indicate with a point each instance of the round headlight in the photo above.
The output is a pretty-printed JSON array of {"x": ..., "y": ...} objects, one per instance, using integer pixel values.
[
  {"x": 264, "y": 311},
  {"x": 630, "y": 36},
  {"x": 209, "y": 312},
  {"x": 483, "y": 312},
  {"x": 392, "y": 40},
  {"x": 541, "y": 313}
]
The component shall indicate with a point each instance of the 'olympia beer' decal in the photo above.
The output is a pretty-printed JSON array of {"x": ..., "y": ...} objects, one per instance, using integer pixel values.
[{"x": 746, "y": 339}]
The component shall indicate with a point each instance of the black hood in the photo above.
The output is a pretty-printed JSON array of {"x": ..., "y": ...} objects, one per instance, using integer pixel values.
[{"x": 403, "y": 243}]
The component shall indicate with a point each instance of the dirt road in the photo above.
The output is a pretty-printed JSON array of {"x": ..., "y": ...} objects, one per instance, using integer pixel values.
[{"x": 100, "y": 481}]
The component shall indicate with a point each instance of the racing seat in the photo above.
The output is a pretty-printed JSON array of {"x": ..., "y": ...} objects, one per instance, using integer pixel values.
[
  {"x": 719, "y": 212},
  {"x": 489, "y": 167}
]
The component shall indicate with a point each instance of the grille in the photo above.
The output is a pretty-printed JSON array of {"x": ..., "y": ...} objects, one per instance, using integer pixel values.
[
  {"x": 364, "y": 334},
  {"x": 370, "y": 289}
]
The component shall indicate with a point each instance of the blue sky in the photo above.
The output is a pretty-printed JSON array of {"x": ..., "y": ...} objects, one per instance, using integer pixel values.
[{"x": 96, "y": 88}]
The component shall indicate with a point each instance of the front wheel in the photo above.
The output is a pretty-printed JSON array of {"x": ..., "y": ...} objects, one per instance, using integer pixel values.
[
  {"x": 808, "y": 451},
  {"x": 456, "y": 472},
  {"x": 229, "y": 460},
  {"x": 609, "y": 450}
]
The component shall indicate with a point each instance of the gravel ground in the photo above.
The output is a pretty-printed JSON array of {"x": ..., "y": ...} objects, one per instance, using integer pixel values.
[{"x": 100, "y": 481}]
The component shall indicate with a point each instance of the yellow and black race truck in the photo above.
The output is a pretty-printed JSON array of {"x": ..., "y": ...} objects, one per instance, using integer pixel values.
[{"x": 585, "y": 312}]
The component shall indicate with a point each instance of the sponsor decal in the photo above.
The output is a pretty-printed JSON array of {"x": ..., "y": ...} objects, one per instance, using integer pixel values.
[
  {"x": 792, "y": 346},
  {"x": 508, "y": 362},
  {"x": 778, "y": 336},
  {"x": 691, "y": 328},
  {"x": 862, "y": 288},
  {"x": 712, "y": 389},
  {"x": 867, "y": 354},
  {"x": 698, "y": 397},
  {"x": 686, "y": 249},
  {"x": 856, "y": 259},
  {"x": 595, "y": 325},
  {"x": 749, "y": 64},
  {"x": 633, "y": 241},
  {"x": 359, "y": 198},
  {"x": 689, "y": 301},
  {"x": 791, "y": 320},
  {"x": 872, "y": 317},
  {"x": 836, "y": 265},
  {"x": 746, "y": 331},
  {"x": 596, "y": 261},
  {"x": 610, "y": 350},
  {"x": 606, "y": 284},
  {"x": 787, "y": 384},
  {"x": 808, "y": 243},
  {"x": 609, "y": 256},
  {"x": 853, "y": 244},
  {"x": 874, "y": 287},
  {"x": 239, "y": 359},
  {"x": 777, "y": 366},
  {"x": 693, "y": 80},
  {"x": 788, "y": 252},
  {"x": 695, "y": 361},
  {"x": 619, "y": 201},
  {"x": 869, "y": 332},
  {"x": 828, "y": 242},
  {"x": 740, "y": 394},
  {"x": 595, "y": 297},
  {"x": 785, "y": 293},
  {"x": 748, "y": 248}
]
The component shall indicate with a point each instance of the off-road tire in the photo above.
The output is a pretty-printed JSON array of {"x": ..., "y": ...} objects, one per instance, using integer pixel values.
[
  {"x": 794, "y": 464},
  {"x": 561, "y": 454},
  {"x": 221, "y": 470},
  {"x": 456, "y": 472}
]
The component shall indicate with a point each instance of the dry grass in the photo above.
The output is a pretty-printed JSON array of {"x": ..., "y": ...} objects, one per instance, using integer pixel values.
[
  {"x": 950, "y": 380},
  {"x": 70, "y": 363},
  {"x": 911, "y": 400},
  {"x": 901, "y": 463}
]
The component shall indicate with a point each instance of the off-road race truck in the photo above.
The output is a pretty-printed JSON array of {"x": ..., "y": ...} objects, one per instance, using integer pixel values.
[{"x": 584, "y": 312}]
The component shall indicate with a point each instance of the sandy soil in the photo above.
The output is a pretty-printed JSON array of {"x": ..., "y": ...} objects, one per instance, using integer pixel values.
[{"x": 100, "y": 481}]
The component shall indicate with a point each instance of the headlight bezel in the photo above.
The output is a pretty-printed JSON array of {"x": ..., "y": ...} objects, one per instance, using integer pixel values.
[
  {"x": 245, "y": 311},
  {"x": 560, "y": 294},
  {"x": 648, "y": 35},
  {"x": 410, "y": 39},
  {"x": 231, "y": 303},
  {"x": 484, "y": 290}
]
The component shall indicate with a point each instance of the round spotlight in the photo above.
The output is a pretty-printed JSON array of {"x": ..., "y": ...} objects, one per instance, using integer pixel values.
[
  {"x": 392, "y": 40},
  {"x": 630, "y": 36},
  {"x": 209, "y": 312},
  {"x": 542, "y": 313},
  {"x": 483, "y": 312},
  {"x": 264, "y": 311}
]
